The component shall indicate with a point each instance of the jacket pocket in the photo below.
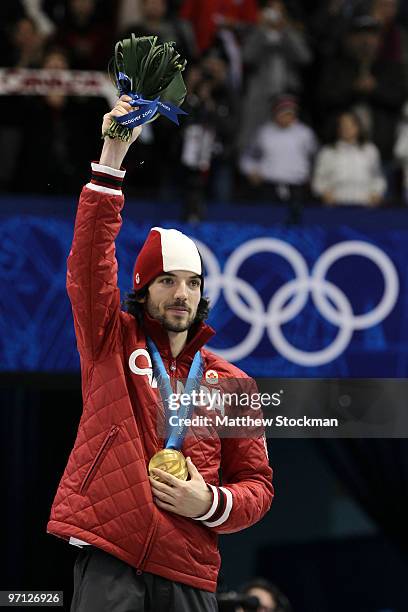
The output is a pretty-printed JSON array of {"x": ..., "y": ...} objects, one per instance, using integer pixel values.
[{"x": 99, "y": 457}]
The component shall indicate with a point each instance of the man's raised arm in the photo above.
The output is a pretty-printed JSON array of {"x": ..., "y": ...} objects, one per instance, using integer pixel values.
[{"x": 92, "y": 265}]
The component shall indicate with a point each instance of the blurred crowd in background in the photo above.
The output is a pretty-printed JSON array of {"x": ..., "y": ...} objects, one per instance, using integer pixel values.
[{"x": 296, "y": 102}]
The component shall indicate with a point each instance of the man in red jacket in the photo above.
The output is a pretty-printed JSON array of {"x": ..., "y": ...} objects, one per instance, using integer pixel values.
[{"x": 148, "y": 539}]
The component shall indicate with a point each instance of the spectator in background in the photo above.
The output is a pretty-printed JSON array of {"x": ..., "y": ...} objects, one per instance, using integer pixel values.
[
  {"x": 348, "y": 172},
  {"x": 198, "y": 143},
  {"x": 401, "y": 150},
  {"x": 155, "y": 20},
  {"x": 208, "y": 136},
  {"x": 273, "y": 53},
  {"x": 129, "y": 12},
  {"x": 225, "y": 123},
  {"x": 57, "y": 10},
  {"x": 271, "y": 599},
  {"x": 222, "y": 24},
  {"x": 21, "y": 46},
  {"x": 58, "y": 169},
  {"x": 35, "y": 10},
  {"x": 278, "y": 162},
  {"x": 374, "y": 87},
  {"x": 393, "y": 43},
  {"x": 27, "y": 44},
  {"x": 88, "y": 35},
  {"x": 208, "y": 16},
  {"x": 330, "y": 22}
]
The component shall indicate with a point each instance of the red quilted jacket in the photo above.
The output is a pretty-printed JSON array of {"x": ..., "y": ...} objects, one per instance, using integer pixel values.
[{"x": 104, "y": 497}]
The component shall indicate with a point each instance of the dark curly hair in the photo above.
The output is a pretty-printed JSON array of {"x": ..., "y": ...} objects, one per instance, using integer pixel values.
[{"x": 133, "y": 306}]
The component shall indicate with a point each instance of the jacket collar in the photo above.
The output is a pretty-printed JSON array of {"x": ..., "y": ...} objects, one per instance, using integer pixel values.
[{"x": 198, "y": 335}]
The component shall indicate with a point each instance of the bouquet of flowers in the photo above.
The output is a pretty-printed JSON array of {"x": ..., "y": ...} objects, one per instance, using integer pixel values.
[{"x": 150, "y": 73}]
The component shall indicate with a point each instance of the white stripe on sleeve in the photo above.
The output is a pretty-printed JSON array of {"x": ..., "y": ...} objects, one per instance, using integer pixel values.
[
  {"x": 104, "y": 189},
  {"x": 226, "y": 512}
]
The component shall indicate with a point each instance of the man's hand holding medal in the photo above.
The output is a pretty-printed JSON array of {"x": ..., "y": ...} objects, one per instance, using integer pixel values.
[{"x": 190, "y": 498}]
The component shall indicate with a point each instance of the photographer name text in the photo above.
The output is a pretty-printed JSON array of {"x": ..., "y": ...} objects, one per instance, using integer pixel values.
[{"x": 250, "y": 421}]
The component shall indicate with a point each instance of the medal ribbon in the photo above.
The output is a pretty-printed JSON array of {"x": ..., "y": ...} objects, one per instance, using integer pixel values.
[
  {"x": 176, "y": 433},
  {"x": 147, "y": 108}
]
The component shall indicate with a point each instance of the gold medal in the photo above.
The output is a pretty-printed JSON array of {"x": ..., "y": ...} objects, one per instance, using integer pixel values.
[{"x": 171, "y": 461}]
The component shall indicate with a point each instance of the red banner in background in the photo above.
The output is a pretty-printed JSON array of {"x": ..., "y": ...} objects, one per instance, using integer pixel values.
[{"x": 32, "y": 82}]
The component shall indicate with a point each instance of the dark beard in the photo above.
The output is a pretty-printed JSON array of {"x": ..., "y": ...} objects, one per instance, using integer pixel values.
[{"x": 167, "y": 324}]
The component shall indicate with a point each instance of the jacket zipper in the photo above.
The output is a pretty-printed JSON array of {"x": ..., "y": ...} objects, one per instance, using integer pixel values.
[
  {"x": 98, "y": 458},
  {"x": 140, "y": 565}
]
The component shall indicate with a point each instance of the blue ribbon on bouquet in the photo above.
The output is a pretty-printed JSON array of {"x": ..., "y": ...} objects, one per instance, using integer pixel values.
[{"x": 147, "y": 108}]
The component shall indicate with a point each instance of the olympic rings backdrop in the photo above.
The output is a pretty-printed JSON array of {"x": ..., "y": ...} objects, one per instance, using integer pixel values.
[{"x": 296, "y": 302}]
